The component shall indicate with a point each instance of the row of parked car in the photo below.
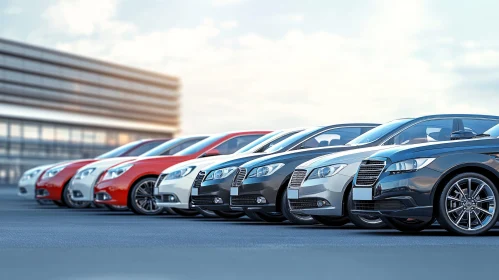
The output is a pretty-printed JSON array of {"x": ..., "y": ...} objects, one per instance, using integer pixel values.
[{"x": 403, "y": 174}]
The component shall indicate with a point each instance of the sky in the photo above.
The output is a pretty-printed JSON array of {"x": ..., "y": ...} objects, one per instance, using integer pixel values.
[{"x": 270, "y": 64}]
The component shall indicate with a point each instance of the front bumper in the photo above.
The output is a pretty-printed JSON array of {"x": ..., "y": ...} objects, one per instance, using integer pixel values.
[
  {"x": 213, "y": 195},
  {"x": 112, "y": 192},
  {"x": 48, "y": 190},
  {"x": 179, "y": 189},
  {"x": 330, "y": 190},
  {"x": 251, "y": 190},
  {"x": 83, "y": 189},
  {"x": 26, "y": 189},
  {"x": 405, "y": 195}
]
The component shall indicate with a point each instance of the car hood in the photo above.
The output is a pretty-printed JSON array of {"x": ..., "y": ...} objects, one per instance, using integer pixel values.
[
  {"x": 306, "y": 155},
  {"x": 344, "y": 157},
  {"x": 41, "y": 168},
  {"x": 107, "y": 163},
  {"x": 435, "y": 149}
]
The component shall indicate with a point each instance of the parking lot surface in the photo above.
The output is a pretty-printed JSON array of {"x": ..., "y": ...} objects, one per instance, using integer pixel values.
[{"x": 48, "y": 242}]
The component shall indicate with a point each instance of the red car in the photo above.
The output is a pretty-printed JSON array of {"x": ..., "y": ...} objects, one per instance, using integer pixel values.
[
  {"x": 53, "y": 183},
  {"x": 132, "y": 183}
]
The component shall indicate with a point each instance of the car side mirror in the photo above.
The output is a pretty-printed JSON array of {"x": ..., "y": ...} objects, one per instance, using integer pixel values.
[
  {"x": 462, "y": 134},
  {"x": 211, "y": 153}
]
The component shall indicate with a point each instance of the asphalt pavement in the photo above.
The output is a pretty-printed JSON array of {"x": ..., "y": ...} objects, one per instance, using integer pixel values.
[{"x": 49, "y": 242}]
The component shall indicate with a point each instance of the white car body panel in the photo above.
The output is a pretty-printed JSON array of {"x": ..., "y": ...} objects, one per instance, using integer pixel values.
[
  {"x": 86, "y": 185},
  {"x": 26, "y": 188}
]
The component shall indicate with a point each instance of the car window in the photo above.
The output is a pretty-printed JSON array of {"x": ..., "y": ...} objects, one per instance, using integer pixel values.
[
  {"x": 120, "y": 151},
  {"x": 232, "y": 145},
  {"x": 144, "y": 148},
  {"x": 423, "y": 132},
  {"x": 180, "y": 147},
  {"x": 258, "y": 141},
  {"x": 378, "y": 132},
  {"x": 332, "y": 137},
  {"x": 478, "y": 126},
  {"x": 275, "y": 141}
]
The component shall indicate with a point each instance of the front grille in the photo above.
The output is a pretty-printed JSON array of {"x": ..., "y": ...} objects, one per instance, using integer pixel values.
[
  {"x": 304, "y": 203},
  {"x": 160, "y": 179},
  {"x": 297, "y": 178},
  {"x": 199, "y": 179},
  {"x": 239, "y": 178},
  {"x": 369, "y": 172},
  {"x": 242, "y": 200},
  {"x": 378, "y": 205},
  {"x": 203, "y": 200}
]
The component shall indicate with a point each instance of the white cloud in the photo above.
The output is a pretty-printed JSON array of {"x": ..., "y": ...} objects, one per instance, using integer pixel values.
[
  {"x": 84, "y": 17},
  {"x": 13, "y": 10},
  {"x": 229, "y": 24},
  {"x": 300, "y": 78},
  {"x": 291, "y": 18},
  {"x": 226, "y": 2}
]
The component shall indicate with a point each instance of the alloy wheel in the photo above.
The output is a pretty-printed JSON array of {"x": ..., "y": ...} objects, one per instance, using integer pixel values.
[
  {"x": 470, "y": 204},
  {"x": 144, "y": 197}
]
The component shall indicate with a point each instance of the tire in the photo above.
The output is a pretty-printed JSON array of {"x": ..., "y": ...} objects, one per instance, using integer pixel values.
[
  {"x": 141, "y": 197},
  {"x": 363, "y": 221},
  {"x": 169, "y": 211},
  {"x": 332, "y": 221},
  {"x": 116, "y": 208},
  {"x": 186, "y": 212},
  {"x": 294, "y": 218},
  {"x": 66, "y": 199},
  {"x": 253, "y": 216},
  {"x": 229, "y": 215},
  {"x": 207, "y": 213},
  {"x": 99, "y": 205},
  {"x": 406, "y": 225},
  {"x": 59, "y": 203},
  {"x": 464, "y": 215}
]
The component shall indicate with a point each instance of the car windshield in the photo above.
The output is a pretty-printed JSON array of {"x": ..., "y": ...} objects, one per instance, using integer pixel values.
[
  {"x": 291, "y": 140},
  {"x": 121, "y": 150},
  {"x": 161, "y": 149},
  {"x": 377, "y": 132},
  {"x": 251, "y": 146},
  {"x": 201, "y": 145},
  {"x": 493, "y": 131}
]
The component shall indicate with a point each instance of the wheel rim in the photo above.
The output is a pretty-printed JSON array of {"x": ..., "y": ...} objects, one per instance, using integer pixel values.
[
  {"x": 370, "y": 220},
  {"x": 144, "y": 197},
  {"x": 470, "y": 204}
]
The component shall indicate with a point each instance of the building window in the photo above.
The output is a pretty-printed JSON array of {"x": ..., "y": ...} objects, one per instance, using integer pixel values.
[
  {"x": 88, "y": 137},
  {"x": 62, "y": 134},
  {"x": 30, "y": 132},
  {"x": 124, "y": 138},
  {"x": 3, "y": 129},
  {"x": 76, "y": 135},
  {"x": 48, "y": 133},
  {"x": 15, "y": 130},
  {"x": 100, "y": 137}
]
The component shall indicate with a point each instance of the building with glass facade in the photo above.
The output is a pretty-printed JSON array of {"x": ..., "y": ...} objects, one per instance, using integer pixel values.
[{"x": 56, "y": 106}]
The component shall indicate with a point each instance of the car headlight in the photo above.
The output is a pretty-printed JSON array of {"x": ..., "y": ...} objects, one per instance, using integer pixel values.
[
  {"x": 326, "y": 171},
  {"x": 30, "y": 175},
  {"x": 177, "y": 174},
  {"x": 409, "y": 165},
  {"x": 220, "y": 173},
  {"x": 266, "y": 170},
  {"x": 116, "y": 171},
  {"x": 84, "y": 173},
  {"x": 52, "y": 172}
]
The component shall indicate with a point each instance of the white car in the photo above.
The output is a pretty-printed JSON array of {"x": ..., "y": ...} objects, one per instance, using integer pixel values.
[
  {"x": 320, "y": 188},
  {"x": 82, "y": 185},
  {"x": 27, "y": 183},
  {"x": 174, "y": 185}
]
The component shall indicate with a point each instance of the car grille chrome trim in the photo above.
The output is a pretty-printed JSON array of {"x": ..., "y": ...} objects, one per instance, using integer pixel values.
[
  {"x": 239, "y": 178},
  {"x": 297, "y": 178},
  {"x": 199, "y": 179},
  {"x": 369, "y": 172}
]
